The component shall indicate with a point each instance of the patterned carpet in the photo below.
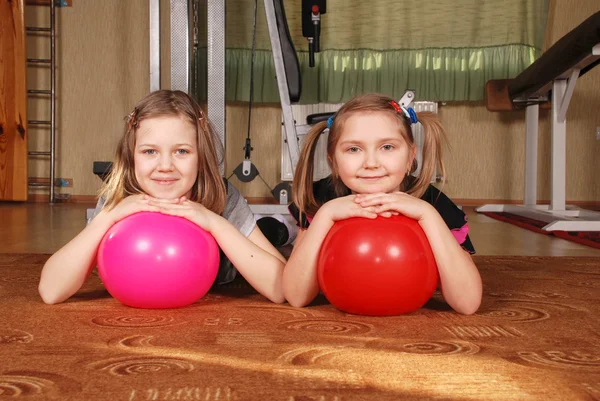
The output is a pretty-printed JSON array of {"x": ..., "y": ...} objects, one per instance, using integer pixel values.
[{"x": 536, "y": 337}]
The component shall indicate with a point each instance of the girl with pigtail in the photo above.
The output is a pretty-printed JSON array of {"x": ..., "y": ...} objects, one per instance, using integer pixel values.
[{"x": 371, "y": 152}]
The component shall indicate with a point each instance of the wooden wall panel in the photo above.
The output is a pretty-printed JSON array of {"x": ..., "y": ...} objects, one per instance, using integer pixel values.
[{"x": 13, "y": 102}]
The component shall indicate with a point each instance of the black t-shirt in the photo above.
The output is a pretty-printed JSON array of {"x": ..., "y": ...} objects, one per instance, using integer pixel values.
[{"x": 455, "y": 219}]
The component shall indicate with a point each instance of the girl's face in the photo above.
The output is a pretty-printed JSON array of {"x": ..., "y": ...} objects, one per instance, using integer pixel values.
[
  {"x": 371, "y": 154},
  {"x": 166, "y": 157}
]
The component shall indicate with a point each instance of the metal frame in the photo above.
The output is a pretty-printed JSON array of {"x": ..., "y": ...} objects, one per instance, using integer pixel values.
[
  {"x": 284, "y": 94},
  {"x": 180, "y": 45},
  {"x": 216, "y": 82},
  {"x": 216, "y": 68},
  {"x": 558, "y": 215},
  {"x": 289, "y": 124},
  {"x": 154, "y": 45}
]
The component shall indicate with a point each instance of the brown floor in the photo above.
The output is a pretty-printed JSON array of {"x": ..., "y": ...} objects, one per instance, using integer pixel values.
[
  {"x": 42, "y": 228},
  {"x": 535, "y": 337}
]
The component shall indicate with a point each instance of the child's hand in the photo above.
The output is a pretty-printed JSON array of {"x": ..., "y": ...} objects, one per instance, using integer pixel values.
[
  {"x": 130, "y": 205},
  {"x": 396, "y": 202},
  {"x": 345, "y": 208},
  {"x": 182, "y": 207},
  {"x": 162, "y": 201}
]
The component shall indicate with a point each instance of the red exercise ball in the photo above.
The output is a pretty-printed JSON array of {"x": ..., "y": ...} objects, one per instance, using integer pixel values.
[{"x": 377, "y": 267}]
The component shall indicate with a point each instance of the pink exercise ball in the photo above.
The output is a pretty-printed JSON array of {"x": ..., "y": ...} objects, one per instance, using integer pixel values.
[{"x": 153, "y": 260}]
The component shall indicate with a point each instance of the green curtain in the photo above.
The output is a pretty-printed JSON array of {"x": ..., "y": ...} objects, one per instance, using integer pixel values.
[{"x": 444, "y": 49}]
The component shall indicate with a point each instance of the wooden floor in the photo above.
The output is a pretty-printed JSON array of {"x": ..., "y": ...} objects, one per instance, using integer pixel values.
[{"x": 42, "y": 228}]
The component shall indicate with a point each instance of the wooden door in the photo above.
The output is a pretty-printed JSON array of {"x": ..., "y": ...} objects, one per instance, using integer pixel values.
[{"x": 13, "y": 102}]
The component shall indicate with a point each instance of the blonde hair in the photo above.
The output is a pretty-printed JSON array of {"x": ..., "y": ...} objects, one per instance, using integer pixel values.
[
  {"x": 209, "y": 188},
  {"x": 434, "y": 133}
]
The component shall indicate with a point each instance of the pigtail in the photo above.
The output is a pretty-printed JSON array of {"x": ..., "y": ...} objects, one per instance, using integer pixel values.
[
  {"x": 434, "y": 136},
  {"x": 302, "y": 186}
]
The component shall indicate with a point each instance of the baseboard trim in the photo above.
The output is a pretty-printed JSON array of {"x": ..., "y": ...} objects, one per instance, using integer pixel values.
[
  {"x": 481, "y": 202},
  {"x": 69, "y": 3},
  {"x": 44, "y": 198},
  {"x": 595, "y": 205}
]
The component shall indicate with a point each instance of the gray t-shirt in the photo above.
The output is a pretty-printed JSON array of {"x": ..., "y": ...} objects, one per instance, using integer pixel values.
[{"x": 237, "y": 212}]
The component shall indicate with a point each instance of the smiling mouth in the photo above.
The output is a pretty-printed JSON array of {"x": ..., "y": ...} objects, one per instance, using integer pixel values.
[
  {"x": 372, "y": 178},
  {"x": 164, "y": 182}
]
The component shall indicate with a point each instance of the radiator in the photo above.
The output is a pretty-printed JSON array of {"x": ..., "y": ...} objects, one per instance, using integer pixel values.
[
  {"x": 418, "y": 133},
  {"x": 321, "y": 166}
]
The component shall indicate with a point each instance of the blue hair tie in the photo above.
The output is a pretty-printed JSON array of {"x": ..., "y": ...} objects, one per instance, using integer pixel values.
[
  {"x": 410, "y": 114},
  {"x": 413, "y": 115},
  {"x": 330, "y": 121}
]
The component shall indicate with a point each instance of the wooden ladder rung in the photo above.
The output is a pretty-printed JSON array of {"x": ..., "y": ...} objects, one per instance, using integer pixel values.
[
  {"x": 32, "y": 29},
  {"x": 39, "y": 91},
  {"x": 39, "y": 60},
  {"x": 39, "y": 184}
]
